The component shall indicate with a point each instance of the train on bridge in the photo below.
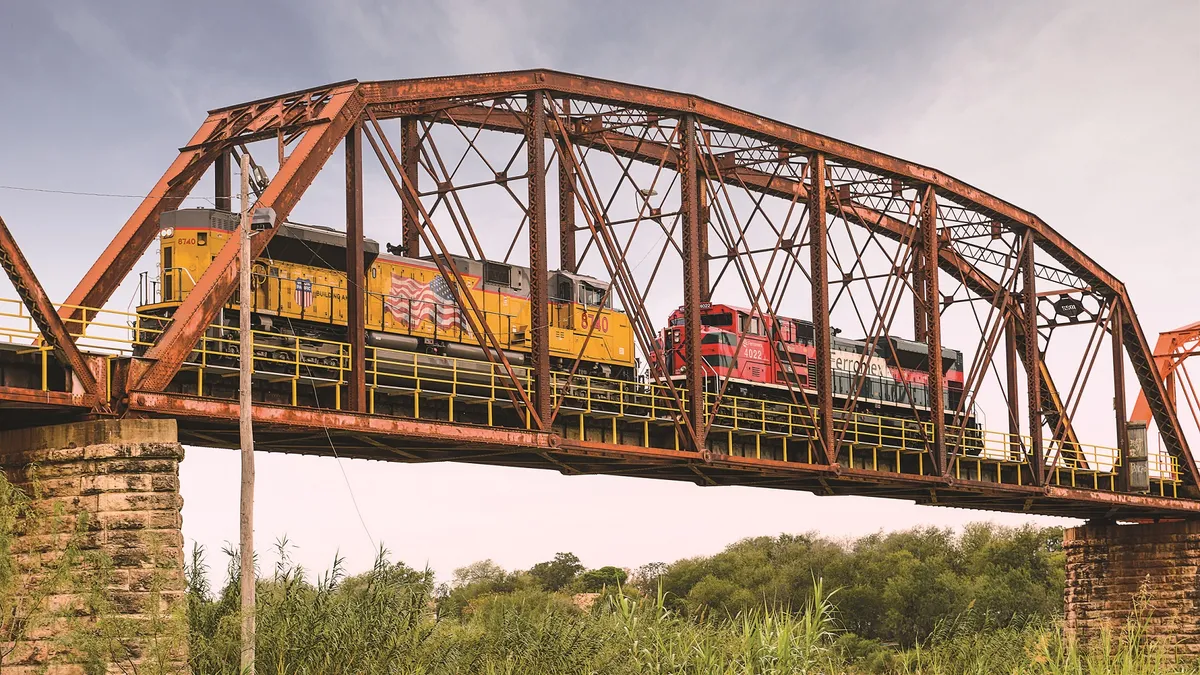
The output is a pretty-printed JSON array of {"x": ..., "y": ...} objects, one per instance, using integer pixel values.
[{"x": 300, "y": 291}]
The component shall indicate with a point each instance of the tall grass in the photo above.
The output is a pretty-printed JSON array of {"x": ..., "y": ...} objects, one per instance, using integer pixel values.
[
  {"x": 971, "y": 644},
  {"x": 386, "y": 621}
]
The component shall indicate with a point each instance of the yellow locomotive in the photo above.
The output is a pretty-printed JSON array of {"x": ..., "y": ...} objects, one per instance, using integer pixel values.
[{"x": 300, "y": 291}]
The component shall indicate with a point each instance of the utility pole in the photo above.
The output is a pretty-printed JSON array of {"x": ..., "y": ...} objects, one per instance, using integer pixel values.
[{"x": 246, "y": 365}]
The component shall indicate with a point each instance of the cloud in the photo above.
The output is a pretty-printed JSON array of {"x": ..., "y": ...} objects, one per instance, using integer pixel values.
[{"x": 110, "y": 53}]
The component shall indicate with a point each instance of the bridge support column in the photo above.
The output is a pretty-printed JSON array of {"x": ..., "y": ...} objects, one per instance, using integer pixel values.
[
  {"x": 1114, "y": 571},
  {"x": 109, "y": 492}
]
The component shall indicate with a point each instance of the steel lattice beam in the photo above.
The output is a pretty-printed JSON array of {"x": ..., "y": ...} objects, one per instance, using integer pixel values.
[{"x": 708, "y": 146}]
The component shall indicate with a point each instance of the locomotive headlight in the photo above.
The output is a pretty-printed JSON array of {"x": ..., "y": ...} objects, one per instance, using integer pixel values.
[{"x": 168, "y": 232}]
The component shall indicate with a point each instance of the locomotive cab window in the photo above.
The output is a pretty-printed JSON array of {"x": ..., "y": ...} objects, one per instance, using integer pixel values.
[
  {"x": 168, "y": 275},
  {"x": 497, "y": 273},
  {"x": 784, "y": 333},
  {"x": 751, "y": 325},
  {"x": 804, "y": 332},
  {"x": 591, "y": 296},
  {"x": 725, "y": 319}
]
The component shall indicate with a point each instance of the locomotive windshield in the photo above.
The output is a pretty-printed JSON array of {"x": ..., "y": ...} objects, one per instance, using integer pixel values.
[
  {"x": 591, "y": 295},
  {"x": 725, "y": 319}
]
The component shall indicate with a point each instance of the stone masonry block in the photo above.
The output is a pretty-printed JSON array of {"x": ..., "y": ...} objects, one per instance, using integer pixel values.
[
  {"x": 112, "y": 487},
  {"x": 1114, "y": 571}
]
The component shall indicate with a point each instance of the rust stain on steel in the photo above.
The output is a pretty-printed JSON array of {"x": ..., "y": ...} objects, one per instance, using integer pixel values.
[
  {"x": 62, "y": 399},
  {"x": 539, "y": 276},
  {"x": 1126, "y": 499},
  {"x": 1033, "y": 359},
  {"x": 410, "y": 152},
  {"x": 689, "y": 196},
  {"x": 608, "y": 91},
  {"x": 216, "y": 285},
  {"x": 42, "y": 311},
  {"x": 818, "y": 268},
  {"x": 932, "y": 303},
  {"x": 356, "y": 311},
  {"x": 268, "y": 415},
  {"x": 319, "y": 118}
]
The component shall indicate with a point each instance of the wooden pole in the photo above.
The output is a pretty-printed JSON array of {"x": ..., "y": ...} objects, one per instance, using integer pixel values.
[{"x": 246, "y": 365}]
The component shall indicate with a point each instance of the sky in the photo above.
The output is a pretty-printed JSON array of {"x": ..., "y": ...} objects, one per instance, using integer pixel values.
[{"x": 1081, "y": 112}]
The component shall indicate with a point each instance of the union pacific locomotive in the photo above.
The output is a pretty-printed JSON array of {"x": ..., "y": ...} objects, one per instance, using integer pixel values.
[
  {"x": 299, "y": 285},
  {"x": 300, "y": 290}
]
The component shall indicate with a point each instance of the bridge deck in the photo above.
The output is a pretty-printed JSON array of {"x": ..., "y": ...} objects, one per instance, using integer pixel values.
[{"x": 441, "y": 409}]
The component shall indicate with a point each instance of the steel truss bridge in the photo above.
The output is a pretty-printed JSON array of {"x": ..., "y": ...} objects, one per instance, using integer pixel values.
[{"x": 676, "y": 201}]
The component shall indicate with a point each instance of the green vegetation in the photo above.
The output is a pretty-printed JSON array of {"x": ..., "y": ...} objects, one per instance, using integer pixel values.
[{"x": 925, "y": 601}]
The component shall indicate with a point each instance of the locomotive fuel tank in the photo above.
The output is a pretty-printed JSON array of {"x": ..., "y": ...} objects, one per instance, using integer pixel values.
[{"x": 400, "y": 355}]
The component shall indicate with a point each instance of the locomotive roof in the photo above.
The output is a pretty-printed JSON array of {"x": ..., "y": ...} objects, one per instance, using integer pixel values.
[
  {"x": 324, "y": 236},
  {"x": 318, "y": 235}
]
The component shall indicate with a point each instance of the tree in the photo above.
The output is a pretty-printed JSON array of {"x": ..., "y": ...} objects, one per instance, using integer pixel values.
[
  {"x": 594, "y": 581},
  {"x": 483, "y": 570},
  {"x": 557, "y": 574}
]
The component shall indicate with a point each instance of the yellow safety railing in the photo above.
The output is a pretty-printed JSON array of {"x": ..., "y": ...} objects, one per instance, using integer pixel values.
[{"x": 871, "y": 440}]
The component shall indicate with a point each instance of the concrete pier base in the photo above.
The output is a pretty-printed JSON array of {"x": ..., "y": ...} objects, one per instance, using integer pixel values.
[
  {"x": 1151, "y": 571},
  {"x": 104, "y": 515}
]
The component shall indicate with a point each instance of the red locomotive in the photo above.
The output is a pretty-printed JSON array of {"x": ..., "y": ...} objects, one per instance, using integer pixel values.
[{"x": 776, "y": 352}]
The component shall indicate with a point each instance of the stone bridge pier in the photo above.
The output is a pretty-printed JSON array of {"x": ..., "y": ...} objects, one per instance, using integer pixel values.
[
  {"x": 1149, "y": 572},
  {"x": 101, "y": 547}
]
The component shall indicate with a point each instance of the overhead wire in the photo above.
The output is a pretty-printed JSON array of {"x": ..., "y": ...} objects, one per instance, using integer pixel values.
[{"x": 77, "y": 193}]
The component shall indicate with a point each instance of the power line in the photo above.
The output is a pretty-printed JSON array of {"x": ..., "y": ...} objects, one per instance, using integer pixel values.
[{"x": 77, "y": 193}]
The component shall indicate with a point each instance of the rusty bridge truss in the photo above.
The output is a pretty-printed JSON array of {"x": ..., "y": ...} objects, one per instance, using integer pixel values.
[{"x": 675, "y": 201}]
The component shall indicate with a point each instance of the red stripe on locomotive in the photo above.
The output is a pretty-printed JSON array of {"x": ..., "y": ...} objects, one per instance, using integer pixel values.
[{"x": 728, "y": 331}]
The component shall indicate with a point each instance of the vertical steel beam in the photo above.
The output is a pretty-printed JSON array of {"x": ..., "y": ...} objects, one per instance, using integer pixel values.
[
  {"x": 1014, "y": 406},
  {"x": 931, "y": 302},
  {"x": 223, "y": 182},
  {"x": 355, "y": 272},
  {"x": 1033, "y": 358},
  {"x": 933, "y": 326},
  {"x": 1119, "y": 409},
  {"x": 567, "y": 259},
  {"x": 705, "y": 286},
  {"x": 539, "y": 275},
  {"x": 819, "y": 271},
  {"x": 410, "y": 153},
  {"x": 689, "y": 209}
]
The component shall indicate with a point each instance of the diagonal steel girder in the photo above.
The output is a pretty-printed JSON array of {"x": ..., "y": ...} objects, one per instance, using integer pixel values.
[
  {"x": 950, "y": 260},
  {"x": 214, "y": 288},
  {"x": 42, "y": 311},
  {"x": 224, "y": 127}
]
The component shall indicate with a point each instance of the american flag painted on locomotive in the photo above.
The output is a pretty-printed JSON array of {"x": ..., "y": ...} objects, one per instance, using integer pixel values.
[
  {"x": 304, "y": 293},
  {"x": 411, "y": 302}
]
